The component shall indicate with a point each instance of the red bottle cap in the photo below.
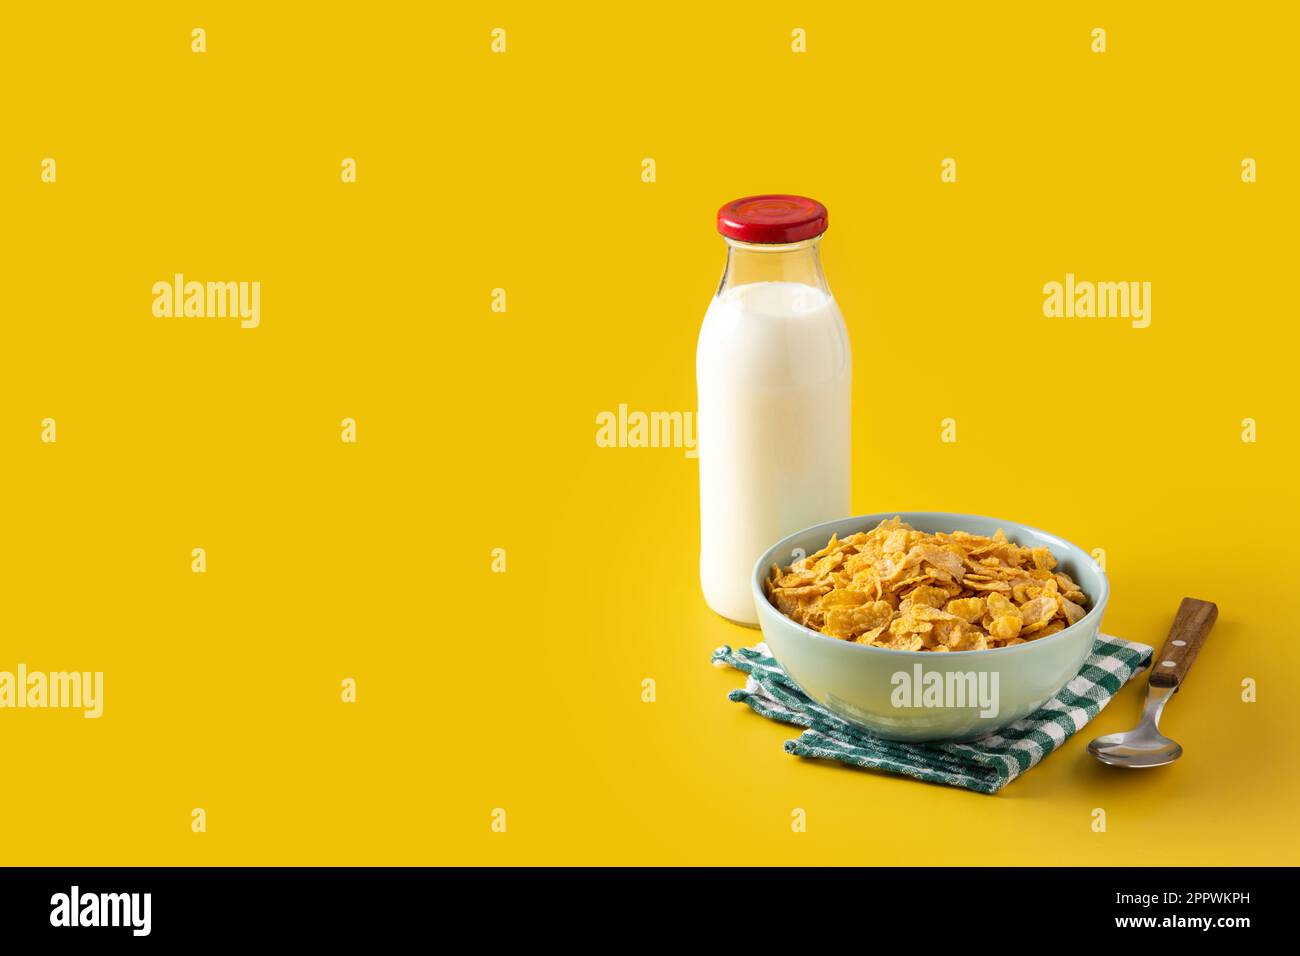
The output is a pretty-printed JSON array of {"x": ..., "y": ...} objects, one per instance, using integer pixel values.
[{"x": 772, "y": 219}]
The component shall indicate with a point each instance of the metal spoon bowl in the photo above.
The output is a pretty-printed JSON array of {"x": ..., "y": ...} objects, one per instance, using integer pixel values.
[{"x": 1144, "y": 745}]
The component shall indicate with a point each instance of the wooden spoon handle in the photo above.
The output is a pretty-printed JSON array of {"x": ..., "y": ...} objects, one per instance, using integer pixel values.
[{"x": 1191, "y": 628}]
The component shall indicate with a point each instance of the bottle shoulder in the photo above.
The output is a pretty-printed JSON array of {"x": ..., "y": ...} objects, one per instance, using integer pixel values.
[{"x": 779, "y": 333}]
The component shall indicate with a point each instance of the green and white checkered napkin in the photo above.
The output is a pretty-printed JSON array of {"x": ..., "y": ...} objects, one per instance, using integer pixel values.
[{"x": 986, "y": 765}]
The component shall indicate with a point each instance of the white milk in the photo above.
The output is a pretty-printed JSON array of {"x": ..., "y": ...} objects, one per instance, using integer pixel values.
[{"x": 773, "y": 376}]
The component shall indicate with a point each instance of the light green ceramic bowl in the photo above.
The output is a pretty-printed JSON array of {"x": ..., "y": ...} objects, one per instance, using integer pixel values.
[{"x": 864, "y": 684}]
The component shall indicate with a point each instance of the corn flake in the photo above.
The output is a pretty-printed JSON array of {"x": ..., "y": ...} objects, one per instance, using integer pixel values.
[{"x": 896, "y": 587}]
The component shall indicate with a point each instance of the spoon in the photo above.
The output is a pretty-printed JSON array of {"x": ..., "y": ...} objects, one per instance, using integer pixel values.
[{"x": 1145, "y": 745}]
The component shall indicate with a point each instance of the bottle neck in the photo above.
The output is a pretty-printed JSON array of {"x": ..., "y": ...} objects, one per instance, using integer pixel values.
[{"x": 787, "y": 262}]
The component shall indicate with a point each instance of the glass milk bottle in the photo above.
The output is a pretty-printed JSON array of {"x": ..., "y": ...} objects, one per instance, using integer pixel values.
[{"x": 773, "y": 377}]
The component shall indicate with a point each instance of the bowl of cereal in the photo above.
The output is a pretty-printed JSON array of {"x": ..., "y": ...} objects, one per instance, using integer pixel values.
[{"x": 925, "y": 626}]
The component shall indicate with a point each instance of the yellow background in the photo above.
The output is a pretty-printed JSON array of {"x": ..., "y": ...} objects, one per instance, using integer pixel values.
[{"x": 476, "y": 430}]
